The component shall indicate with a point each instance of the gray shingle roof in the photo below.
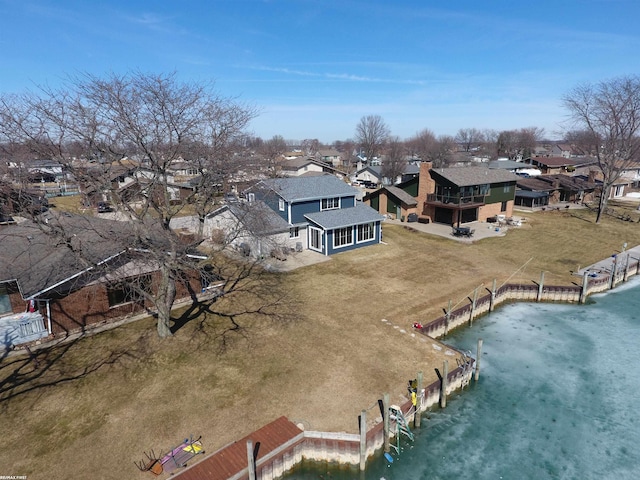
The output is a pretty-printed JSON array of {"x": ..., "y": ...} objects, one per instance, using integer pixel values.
[
  {"x": 344, "y": 217},
  {"x": 401, "y": 195},
  {"x": 468, "y": 176},
  {"x": 298, "y": 189},
  {"x": 40, "y": 259},
  {"x": 258, "y": 218}
]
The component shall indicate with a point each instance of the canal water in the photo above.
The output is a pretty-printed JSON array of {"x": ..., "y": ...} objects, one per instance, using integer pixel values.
[{"x": 557, "y": 398}]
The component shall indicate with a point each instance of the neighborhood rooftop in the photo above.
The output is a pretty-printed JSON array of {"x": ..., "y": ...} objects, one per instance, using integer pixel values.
[
  {"x": 340, "y": 218},
  {"x": 469, "y": 176},
  {"x": 309, "y": 188}
]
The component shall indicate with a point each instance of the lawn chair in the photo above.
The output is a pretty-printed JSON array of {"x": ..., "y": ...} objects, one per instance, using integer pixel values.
[{"x": 152, "y": 464}]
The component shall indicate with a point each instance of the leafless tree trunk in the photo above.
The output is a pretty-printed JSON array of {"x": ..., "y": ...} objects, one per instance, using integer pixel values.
[
  {"x": 394, "y": 163},
  {"x": 610, "y": 112},
  {"x": 272, "y": 150},
  {"x": 469, "y": 138},
  {"x": 371, "y": 134}
]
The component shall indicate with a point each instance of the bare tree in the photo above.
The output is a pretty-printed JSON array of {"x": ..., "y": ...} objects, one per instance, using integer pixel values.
[
  {"x": 518, "y": 144},
  {"x": 272, "y": 150},
  {"x": 394, "y": 162},
  {"x": 422, "y": 144},
  {"x": 439, "y": 151},
  {"x": 310, "y": 146},
  {"x": 371, "y": 135},
  {"x": 610, "y": 112},
  {"x": 152, "y": 121},
  {"x": 469, "y": 138},
  {"x": 444, "y": 149}
]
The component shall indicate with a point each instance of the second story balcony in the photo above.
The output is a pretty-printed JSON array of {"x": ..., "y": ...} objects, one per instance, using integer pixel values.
[{"x": 455, "y": 201}]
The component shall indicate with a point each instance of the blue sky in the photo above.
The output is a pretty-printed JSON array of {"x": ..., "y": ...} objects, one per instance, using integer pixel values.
[{"x": 314, "y": 68}]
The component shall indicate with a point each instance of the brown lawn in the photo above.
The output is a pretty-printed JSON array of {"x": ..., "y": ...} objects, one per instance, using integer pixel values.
[{"x": 90, "y": 408}]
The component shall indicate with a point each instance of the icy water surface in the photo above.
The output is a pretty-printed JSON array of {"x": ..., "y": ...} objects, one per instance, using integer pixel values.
[{"x": 558, "y": 398}]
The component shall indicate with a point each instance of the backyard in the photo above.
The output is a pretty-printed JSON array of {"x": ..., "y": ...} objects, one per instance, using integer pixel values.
[{"x": 91, "y": 407}]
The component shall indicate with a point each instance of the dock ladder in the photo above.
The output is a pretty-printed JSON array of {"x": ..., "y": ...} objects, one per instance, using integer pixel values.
[{"x": 401, "y": 426}]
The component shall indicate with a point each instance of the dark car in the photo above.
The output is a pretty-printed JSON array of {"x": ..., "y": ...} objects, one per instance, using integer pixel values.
[{"x": 104, "y": 207}]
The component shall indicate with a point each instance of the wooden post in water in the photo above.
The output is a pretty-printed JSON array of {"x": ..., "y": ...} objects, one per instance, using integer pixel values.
[
  {"x": 492, "y": 302},
  {"x": 443, "y": 384},
  {"x": 417, "y": 417},
  {"x": 385, "y": 421},
  {"x": 612, "y": 280},
  {"x": 477, "y": 372},
  {"x": 626, "y": 269},
  {"x": 447, "y": 317},
  {"x": 583, "y": 290},
  {"x": 540, "y": 287},
  {"x": 473, "y": 306},
  {"x": 251, "y": 465},
  {"x": 363, "y": 440}
]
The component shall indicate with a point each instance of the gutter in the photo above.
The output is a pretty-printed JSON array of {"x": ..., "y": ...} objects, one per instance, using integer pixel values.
[{"x": 31, "y": 297}]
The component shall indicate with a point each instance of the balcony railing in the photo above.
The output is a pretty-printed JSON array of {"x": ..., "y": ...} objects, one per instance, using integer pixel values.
[{"x": 456, "y": 200}]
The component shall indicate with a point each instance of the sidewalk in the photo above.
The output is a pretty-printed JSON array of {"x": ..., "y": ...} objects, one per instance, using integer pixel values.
[{"x": 606, "y": 266}]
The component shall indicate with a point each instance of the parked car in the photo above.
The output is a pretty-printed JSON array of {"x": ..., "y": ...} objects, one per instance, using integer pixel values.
[{"x": 104, "y": 207}]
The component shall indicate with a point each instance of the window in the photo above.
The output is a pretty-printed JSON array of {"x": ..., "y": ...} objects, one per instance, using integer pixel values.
[
  {"x": 366, "y": 232},
  {"x": 281, "y": 204},
  {"x": 503, "y": 207},
  {"x": 294, "y": 232},
  {"x": 506, "y": 189},
  {"x": 5, "y": 301},
  {"x": 128, "y": 292},
  {"x": 342, "y": 237},
  {"x": 330, "y": 203}
]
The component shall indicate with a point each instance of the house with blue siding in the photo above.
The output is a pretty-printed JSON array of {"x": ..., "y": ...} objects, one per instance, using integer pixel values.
[{"x": 322, "y": 212}]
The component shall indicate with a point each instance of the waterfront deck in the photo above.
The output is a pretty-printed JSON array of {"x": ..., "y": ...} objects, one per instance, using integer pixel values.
[{"x": 231, "y": 461}]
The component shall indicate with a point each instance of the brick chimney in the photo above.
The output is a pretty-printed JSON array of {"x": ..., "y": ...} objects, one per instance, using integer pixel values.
[{"x": 426, "y": 185}]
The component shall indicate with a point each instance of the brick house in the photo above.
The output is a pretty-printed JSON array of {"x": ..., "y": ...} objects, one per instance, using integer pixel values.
[
  {"x": 453, "y": 195},
  {"x": 84, "y": 271}
]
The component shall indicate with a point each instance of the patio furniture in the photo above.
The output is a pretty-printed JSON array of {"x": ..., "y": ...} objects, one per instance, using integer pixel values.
[{"x": 462, "y": 232}]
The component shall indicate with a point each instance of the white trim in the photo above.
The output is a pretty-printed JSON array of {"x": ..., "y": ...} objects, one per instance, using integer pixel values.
[
  {"x": 373, "y": 232},
  {"x": 320, "y": 237},
  {"x": 344, "y": 244},
  {"x": 330, "y": 208}
]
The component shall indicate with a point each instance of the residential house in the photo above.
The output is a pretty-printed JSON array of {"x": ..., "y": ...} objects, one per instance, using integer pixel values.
[
  {"x": 330, "y": 156},
  {"x": 450, "y": 195},
  {"x": 546, "y": 190},
  {"x": 74, "y": 272},
  {"x": 566, "y": 150},
  {"x": 465, "y": 194},
  {"x": 368, "y": 174},
  {"x": 396, "y": 202},
  {"x": 251, "y": 228},
  {"x": 300, "y": 166},
  {"x": 322, "y": 212},
  {"x": 553, "y": 165}
]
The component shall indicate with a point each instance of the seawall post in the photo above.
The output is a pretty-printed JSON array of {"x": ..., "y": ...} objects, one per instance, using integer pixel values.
[
  {"x": 492, "y": 302},
  {"x": 443, "y": 384},
  {"x": 250, "y": 461},
  {"x": 473, "y": 306},
  {"x": 417, "y": 417},
  {"x": 363, "y": 440},
  {"x": 583, "y": 290},
  {"x": 477, "y": 372},
  {"x": 385, "y": 421},
  {"x": 540, "y": 287}
]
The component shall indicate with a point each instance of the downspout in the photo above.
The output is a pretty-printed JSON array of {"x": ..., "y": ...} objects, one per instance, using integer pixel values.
[{"x": 48, "y": 316}]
